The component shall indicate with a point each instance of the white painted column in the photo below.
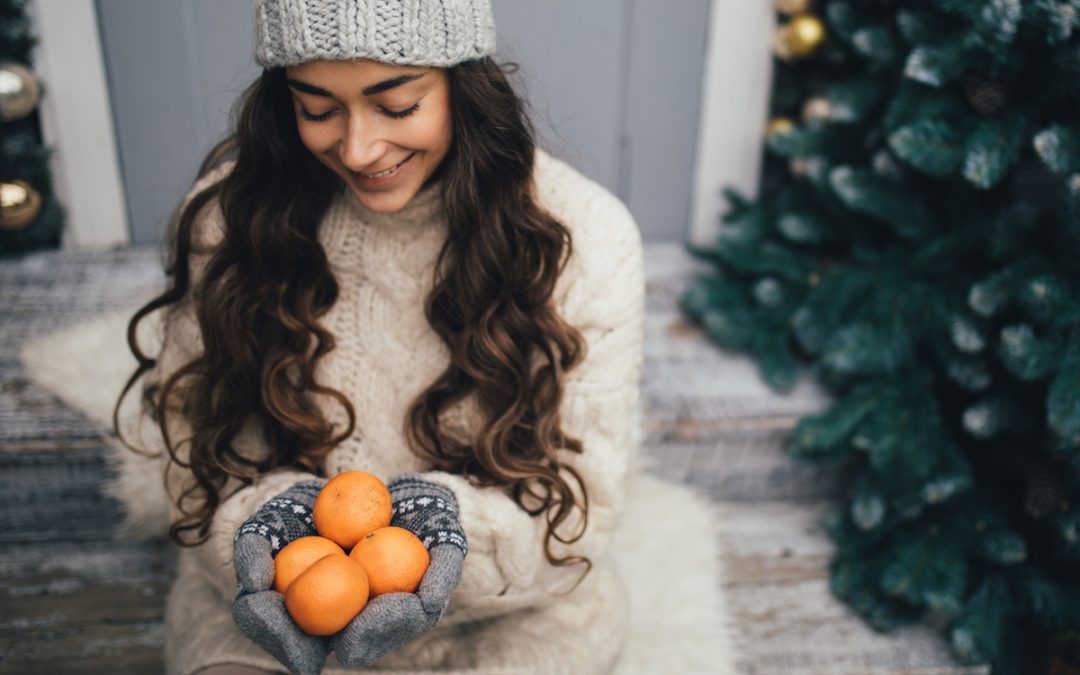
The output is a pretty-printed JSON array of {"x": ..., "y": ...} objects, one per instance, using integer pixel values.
[
  {"x": 734, "y": 107},
  {"x": 77, "y": 123}
]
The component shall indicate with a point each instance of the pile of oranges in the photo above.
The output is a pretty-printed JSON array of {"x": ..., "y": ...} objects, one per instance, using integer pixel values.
[{"x": 328, "y": 579}]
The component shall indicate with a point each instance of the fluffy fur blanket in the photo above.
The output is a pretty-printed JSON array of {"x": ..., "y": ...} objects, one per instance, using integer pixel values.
[{"x": 671, "y": 559}]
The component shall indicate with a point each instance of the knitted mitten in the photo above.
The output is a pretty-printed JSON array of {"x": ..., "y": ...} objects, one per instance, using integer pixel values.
[
  {"x": 259, "y": 611},
  {"x": 388, "y": 621},
  {"x": 279, "y": 521}
]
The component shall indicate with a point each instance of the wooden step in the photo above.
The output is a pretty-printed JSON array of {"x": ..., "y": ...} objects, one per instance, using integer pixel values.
[
  {"x": 84, "y": 607},
  {"x": 775, "y": 558},
  {"x": 712, "y": 422}
]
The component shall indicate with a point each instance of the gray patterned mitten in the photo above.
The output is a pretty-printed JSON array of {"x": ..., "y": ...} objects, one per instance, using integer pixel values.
[
  {"x": 258, "y": 610},
  {"x": 388, "y": 621}
]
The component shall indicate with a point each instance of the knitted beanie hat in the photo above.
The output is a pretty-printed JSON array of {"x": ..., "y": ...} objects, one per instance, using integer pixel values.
[{"x": 437, "y": 33}]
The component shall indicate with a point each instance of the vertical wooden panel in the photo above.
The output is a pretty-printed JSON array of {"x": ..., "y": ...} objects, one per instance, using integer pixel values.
[
  {"x": 738, "y": 80},
  {"x": 152, "y": 95},
  {"x": 173, "y": 70},
  {"x": 570, "y": 54},
  {"x": 223, "y": 58},
  {"x": 666, "y": 56}
]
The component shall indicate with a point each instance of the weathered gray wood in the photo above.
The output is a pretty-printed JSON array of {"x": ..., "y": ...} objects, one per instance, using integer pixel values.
[
  {"x": 91, "y": 607},
  {"x": 711, "y": 420},
  {"x": 75, "y": 598},
  {"x": 776, "y": 584},
  {"x": 663, "y": 72},
  {"x": 55, "y": 495},
  {"x": 92, "y": 648},
  {"x": 42, "y": 292},
  {"x": 183, "y": 80},
  {"x": 129, "y": 659},
  {"x": 742, "y": 467}
]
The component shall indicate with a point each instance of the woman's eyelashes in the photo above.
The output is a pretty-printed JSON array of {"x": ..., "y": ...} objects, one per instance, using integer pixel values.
[
  {"x": 403, "y": 113},
  {"x": 396, "y": 114},
  {"x": 314, "y": 118}
]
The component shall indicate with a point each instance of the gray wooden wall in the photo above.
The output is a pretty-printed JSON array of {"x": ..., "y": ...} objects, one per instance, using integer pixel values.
[{"x": 614, "y": 88}]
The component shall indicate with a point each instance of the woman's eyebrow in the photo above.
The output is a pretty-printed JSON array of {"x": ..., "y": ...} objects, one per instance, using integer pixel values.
[
  {"x": 369, "y": 90},
  {"x": 391, "y": 83}
]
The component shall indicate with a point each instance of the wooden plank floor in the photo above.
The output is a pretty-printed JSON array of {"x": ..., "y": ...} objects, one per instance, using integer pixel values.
[
  {"x": 79, "y": 598},
  {"x": 76, "y": 597}
]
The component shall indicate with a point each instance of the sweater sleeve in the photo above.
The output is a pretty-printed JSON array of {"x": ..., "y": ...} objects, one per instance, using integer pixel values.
[
  {"x": 506, "y": 567},
  {"x": 181, "y": 342}
]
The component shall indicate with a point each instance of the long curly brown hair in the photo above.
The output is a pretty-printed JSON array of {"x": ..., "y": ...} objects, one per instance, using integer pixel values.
[{"x": 267, "y": 282}]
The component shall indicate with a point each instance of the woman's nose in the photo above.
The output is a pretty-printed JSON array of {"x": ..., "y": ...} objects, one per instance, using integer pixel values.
[{"x": 361, "y": 147}]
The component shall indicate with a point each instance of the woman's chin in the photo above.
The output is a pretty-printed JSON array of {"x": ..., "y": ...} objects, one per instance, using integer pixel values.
[{"x": 381, "y": 202}]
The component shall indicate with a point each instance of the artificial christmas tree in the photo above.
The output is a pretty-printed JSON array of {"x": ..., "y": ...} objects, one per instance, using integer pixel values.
[
  {"x": 916, "y": 244},
  {"x": 30, "y": 216}
]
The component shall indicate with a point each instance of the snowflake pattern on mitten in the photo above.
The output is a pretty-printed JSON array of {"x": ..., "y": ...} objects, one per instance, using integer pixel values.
[
  {"x": 284, "y": 518},
  {"x": 427, "y": 510}
]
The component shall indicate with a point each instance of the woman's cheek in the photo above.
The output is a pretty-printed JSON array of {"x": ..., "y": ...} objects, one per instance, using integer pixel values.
[
  {"x": 429, "y": 131},
  {"x": 312, "y": 139}
]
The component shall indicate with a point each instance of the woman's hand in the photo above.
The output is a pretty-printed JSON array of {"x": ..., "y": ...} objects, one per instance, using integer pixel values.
[
  {"x": 388, "y": 621},
  {"x": 258, "y": 610}
]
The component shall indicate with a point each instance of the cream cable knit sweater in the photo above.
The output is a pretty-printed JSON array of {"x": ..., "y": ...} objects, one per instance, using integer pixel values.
[{"x": 505, "y": 616}]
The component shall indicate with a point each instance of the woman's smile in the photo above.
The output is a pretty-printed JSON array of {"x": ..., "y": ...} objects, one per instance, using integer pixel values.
[{"x": 383, "y": 177}]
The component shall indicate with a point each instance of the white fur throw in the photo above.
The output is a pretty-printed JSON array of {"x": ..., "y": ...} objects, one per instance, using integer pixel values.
[{"x": 672, "y": 565}]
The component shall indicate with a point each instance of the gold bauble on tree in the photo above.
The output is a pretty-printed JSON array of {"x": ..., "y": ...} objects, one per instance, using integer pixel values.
[
  {"x": 20, "y": 204},
  {"x": 792, "y": 7},
  {"x": 799, "y": 167},
  {"x": 799, "y": 38},
  {"x": 19, "y": 92},
  {"x": 779, "y": 125},
  {"x": 816, "y": 109}
]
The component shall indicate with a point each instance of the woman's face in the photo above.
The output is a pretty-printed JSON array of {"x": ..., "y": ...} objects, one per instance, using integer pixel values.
[{"x": 363, "y": 117}]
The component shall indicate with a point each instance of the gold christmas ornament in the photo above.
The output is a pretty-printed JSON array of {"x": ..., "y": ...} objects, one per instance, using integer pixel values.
[
  {"x": 816, "y": 108},
  {"x": 807, "y": 34},
  {"x": 20, "y": 204},
  {"x": 781, "y": 44},
  {"x": 779, "y": 125},
  {"x": 799, "y": 38},
  {"x": 792, "y": 7},
  {"x": 19, "y": 91}
]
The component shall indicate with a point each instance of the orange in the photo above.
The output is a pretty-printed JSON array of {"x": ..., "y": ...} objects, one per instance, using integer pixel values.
[
  {"x": 350, "y": 505},
  {"x": 394, "y": 558},
  {"x": 297, "y": 556},
  {"x": 327, "y": 595}
]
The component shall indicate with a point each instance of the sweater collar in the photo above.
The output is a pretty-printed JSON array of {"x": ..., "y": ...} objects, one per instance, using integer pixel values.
[{"x": 424, "y": 210}]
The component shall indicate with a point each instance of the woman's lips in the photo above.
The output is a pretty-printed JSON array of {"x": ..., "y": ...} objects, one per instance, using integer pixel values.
[{"x": 367, "y": 180}]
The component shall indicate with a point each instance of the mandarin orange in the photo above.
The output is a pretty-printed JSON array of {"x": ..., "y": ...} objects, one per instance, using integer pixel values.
[
  {"x": 394, "y": 559},
  {"x": 297, "y": 556},
  {"x": 350, "y": 505},
  {"x": 327, "y": 595}
]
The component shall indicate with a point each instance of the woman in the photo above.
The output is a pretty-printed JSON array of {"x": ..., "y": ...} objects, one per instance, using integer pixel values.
[{"x": 379, "y": 271}]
